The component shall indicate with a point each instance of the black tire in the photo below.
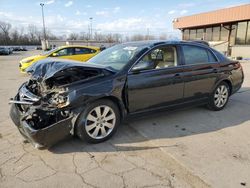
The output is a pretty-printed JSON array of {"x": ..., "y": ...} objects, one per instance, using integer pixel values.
[
  {"x": 212, "y": 105},
  {"x": 82, "y": 121}
]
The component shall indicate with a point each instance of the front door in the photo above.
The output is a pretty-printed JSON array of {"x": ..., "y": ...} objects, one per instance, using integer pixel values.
[
  {"x": 65, "y": 53},
  {"x": 157, "y": 85}
]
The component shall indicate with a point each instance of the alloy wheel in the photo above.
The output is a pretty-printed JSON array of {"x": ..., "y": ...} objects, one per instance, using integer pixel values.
[
  {"x": 100, "y": 122},
  {"x": 221, "y": 96}
]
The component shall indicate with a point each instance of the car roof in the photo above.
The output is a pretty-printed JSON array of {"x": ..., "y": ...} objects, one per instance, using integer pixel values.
[
  {"x": 153, "y": 43},
  {"x": 80, "y": 46}
]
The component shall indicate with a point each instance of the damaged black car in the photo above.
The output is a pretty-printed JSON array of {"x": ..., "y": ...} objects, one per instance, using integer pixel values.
[{"x": 64, "y": 98}]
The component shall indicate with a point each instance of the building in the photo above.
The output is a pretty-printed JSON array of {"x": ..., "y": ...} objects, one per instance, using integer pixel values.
[{"x": 227, "y": 30}]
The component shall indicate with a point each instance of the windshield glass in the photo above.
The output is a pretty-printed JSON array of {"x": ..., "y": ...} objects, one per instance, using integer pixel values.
[
  {"x": 50, "y": 51},
  {"x": 116, "y": 57}
]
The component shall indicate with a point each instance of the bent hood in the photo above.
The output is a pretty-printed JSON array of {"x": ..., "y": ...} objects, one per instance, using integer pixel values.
[{"x": 47, "y": 68}]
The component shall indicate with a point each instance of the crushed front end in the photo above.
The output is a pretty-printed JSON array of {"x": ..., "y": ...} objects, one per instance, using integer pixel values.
[
  {"x": 46, "y": 107},
  {"x": 41, "y": 119}
]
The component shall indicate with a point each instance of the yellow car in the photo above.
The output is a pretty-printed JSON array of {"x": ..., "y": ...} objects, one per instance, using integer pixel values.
[{"x": 78, "y": 53}]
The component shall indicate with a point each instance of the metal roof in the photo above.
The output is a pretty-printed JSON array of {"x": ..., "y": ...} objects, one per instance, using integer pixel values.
[{"x": 232, "y": 14}]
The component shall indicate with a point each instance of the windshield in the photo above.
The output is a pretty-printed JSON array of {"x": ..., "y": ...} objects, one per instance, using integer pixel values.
[
  {"x": 50, "y": 51},
  {"x": 116, "y": 57}
]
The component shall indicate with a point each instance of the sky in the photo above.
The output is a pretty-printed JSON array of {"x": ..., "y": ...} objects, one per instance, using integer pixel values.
[{"x": 109, "y": 16}]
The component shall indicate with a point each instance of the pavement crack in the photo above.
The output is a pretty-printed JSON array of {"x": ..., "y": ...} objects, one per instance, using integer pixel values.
[
  {"x": 1, "y": 175},
  {"x": 78, "y": 174},
  {"x": 36, "y": 180},
  {"x": 174, "y": 166},
  {"x": 23, "y": 169},
  {"x": 6, "y": 161},
  {"x": 19, "y": 158}
]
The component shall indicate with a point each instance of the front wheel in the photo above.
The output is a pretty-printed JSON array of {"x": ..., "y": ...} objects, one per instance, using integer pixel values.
[
  {"x": 98, "y": 122},
  {"x": 220, "y": 97}
]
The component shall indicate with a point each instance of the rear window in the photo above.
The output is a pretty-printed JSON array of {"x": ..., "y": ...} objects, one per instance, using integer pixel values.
[{"x": 84, "y": 51}]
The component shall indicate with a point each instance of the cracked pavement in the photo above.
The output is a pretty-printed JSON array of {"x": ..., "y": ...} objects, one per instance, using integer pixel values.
[{"x": 185, "y": 148}]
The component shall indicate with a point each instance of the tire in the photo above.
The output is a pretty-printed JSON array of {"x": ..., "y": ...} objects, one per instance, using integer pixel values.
[
  {"x": 219, "y": 98},
  {"x": 94, "y": 128}
]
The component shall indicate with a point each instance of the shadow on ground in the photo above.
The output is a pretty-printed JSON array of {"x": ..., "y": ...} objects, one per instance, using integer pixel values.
[{"x": 134, "y": 132}]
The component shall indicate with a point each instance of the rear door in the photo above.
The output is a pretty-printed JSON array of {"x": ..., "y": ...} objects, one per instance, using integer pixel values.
[
  {"x": 160, "y": 85},
  {"x": 200, "y": 71},
  {"x": 83, "y": 54}
]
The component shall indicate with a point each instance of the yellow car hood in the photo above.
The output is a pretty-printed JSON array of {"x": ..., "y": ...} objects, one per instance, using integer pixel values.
[{"x": 35, "y": 57}]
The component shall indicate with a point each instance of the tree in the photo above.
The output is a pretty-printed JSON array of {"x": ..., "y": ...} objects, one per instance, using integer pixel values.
[
  {"x": 99, "y": 36},
  {"x": 83, "y": 36},
  {"x": 117, "y": 37},
  {"x": 137, "y": 37},
  {"x": 5, "y": 30},
  {"x": 150, "y": 37},
  {"x": 73, "y": 36},
  {"x": 109, "y": 38},
  {"x": 15, "y": 36},
  {"x": 34, "y": 34},
  {"x": 163, "y": 36}
]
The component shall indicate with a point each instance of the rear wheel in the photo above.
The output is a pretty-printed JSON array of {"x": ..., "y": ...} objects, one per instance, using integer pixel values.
[
  {"x": 220, "y": 97},
  {"x": 98, "y": 122}
]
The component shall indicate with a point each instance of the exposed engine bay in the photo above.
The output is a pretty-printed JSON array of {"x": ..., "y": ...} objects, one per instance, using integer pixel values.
[{"x": 42, "y": 102}]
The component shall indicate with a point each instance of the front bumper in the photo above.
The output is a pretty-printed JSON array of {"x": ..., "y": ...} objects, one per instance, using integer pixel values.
[{"x": 44, "y": 137}]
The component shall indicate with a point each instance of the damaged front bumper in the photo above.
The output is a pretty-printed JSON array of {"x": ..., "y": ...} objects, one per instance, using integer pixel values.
[
  {"x": 41, "y": 127},
  {"x": 45, "y": 137}
]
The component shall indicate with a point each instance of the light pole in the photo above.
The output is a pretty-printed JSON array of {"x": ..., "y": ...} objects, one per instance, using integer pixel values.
[
  {"x": 147, "y": 33},
  {"x": 44, "y": 31},
  {"x": 91, "y": 29}
]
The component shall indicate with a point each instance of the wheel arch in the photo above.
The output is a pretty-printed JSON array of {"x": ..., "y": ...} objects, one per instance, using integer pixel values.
[
  {"x": 118, "y": 102},
  {"x": 115, "y": 100},
  {"x": 228, "y": 82}
]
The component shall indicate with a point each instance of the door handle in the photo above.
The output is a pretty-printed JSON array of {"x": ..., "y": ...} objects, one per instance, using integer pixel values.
[
  {"x": 177, "y": 75},
  {"x": 215, "y": 70}
]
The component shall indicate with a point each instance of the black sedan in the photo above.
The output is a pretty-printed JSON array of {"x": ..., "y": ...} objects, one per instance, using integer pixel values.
[{"x": 90, "y": 99}]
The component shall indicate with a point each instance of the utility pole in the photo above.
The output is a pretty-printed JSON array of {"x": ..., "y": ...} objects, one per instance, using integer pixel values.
[
  {"x": 44, "y": 31},
  {"x": 147, "y": 33},
  {"x": 91, "y": 27}
]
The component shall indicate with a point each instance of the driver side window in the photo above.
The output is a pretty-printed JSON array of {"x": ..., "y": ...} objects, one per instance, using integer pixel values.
[
  {"x": 160, "y": 58},
  {"x": 65, "y": 52}
]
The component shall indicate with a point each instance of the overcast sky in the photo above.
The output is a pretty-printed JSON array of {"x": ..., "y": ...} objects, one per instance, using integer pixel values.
[{"x": 122, "y": 16}]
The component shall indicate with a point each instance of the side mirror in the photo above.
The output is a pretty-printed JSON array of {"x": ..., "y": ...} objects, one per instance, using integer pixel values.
[
  {"x": 143, "y": 65},
  {"x": 54, "y": 55}
]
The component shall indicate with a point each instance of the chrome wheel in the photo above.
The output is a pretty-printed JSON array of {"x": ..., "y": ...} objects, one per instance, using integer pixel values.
[
  {"x": 221, "y": 96},
  {"x": 100, "y": 122}
]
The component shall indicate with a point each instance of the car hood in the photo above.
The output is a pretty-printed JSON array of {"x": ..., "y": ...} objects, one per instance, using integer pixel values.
[
  {"x": 32, "y": 57},
  {"x": 47, "y": 68}
]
